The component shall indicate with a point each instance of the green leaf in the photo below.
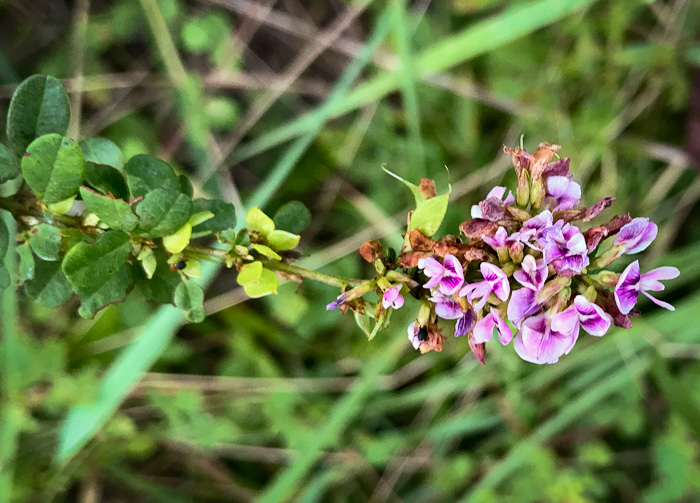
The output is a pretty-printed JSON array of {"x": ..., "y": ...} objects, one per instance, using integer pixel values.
[
  {"x": 49, "y": 287},
  {"x": 102, "y": 151},
  {"x": 196, "y": 315},
  {"x": 161, "y": 287},
  {"x": 45, "y": 240},
  {"x": 364, "y": 322},
  {"x": 265, "y": 285},
  {"x": 189, "y": 295},
  {"x": 39, "y": 106},
  {"x": 106, "y": 180},
  {"x": 162, "y": 212},
  {"x": 258, "y": 221},
  {"x": 9, "y": 164},
  {"x": 4, "y": 240},
  {"x": 266, "y": 250},
  {"x": 429, "y": 214},
  {"x": 116, "y": 213},
  {"x": 90, "y": 266},
  {"x": 145, "y": 173},
  {"x": 61, "y": 207},
  {"x": 250, "y": 273},
  {"x": 283, "y": 240},
  {"x": 54, "y": 167},
  {"x": 292, "y": 217},
  {"x": 199, "y": 217},
  {"x": 26, "y": 263},
  {"x": 148, "y": 262},
  {"x": 224, "y": 216},
  {"x": 415, "y": 189},
  {"x": 179, "y": 240},
  {"x": 111, "y": 290},
  {"x": 186, "y": 186}
]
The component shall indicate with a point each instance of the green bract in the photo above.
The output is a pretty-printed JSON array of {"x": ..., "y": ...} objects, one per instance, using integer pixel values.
[
  {"x": 53, "y": 167},
  {"x": 39, "y": 106}
]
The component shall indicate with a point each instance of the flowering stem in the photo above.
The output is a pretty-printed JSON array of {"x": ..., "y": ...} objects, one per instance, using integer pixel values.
[{"x": 328, "y": 279}]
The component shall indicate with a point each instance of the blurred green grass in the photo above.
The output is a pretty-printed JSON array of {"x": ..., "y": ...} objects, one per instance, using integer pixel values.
[{"x": 277, "y": 399}]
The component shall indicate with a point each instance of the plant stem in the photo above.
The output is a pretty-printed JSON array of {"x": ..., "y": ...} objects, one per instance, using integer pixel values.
[{"x": 328, "y": 279}]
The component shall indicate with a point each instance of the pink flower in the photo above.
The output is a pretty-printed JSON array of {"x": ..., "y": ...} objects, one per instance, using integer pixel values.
[
  {"x": 495, "y": 280},
  {"x": 445, "y": 306},
  {"x": 499, "y": 240},
  {"x": 631, "y": 282},
  {"x": 562, "y": 193},
  {"x": 585, "y": 313},
  {"x": 522, "y": 304},
  {"x": 636, "y": 236},
  {"x": 465, "y": 323},
  {"x": 494, "y": 200},
  {"x": 483, "y": 331},
  {"x": 533, "y": 229},
  {"x": 393, "y": 298},
  {"x": 448, "y": 277},
  {"x": 537, "y": 342},
  {"x": 565, "y": 248},
  {"x": 533, "y": 273}
]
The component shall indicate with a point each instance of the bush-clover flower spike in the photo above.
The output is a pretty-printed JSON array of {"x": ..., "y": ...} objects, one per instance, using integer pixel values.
[
  {"x": 448, "y": 277},
  {"x": 537, "y": 342},
  {"x": 562, "y": 193},
  {"x": 393, "y": 298},
  {"x": 631, "y": 283},
  {"x": 636, "y": 236},
  {"x": 495, "y": 280},
  {"x": 583, "y": 313},
  {"x": 483, "y": 330}
]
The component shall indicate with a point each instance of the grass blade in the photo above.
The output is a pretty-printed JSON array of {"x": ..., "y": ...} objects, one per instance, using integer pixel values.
[{"x": 506, "y": 27}]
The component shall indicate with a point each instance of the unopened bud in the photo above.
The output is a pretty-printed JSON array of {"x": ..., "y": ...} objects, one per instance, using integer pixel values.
[
  {"x": 522, "y": 194},
  {"x": 537, "y": 193},
  {"x": 551, "y": 288},
  {"x": 606, "y": 278},
  {"x": 424, "y": 314},
  {"x": 608, "y": 257},
  {"x": 516, "y": 252}
]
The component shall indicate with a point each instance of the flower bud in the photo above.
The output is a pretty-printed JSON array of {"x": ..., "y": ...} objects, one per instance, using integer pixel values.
[
  {"x": 537, "y": 193},
  {"x": 608, "y": 257},
  {"x": 551, "y": 288},
  {"x": 522, "y": 194},
  {"x": 516, "y": 252},
  {"x": 606, "y": 278}
]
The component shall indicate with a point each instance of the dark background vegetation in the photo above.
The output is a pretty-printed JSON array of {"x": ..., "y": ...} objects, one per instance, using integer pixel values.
[{"x": 277, "y": 399}]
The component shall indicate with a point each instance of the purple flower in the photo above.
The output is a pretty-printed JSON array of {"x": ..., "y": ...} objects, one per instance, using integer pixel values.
[
  {"x": 538, "y": 342},
  {"x": 533, "y": 273},
  {"x": 495, "y": 280},
  {"x": 499, "y": 240},
  {"x": 393, "y": 298},
  {"x": 417, "y": 337},
  {"x": 636, "y": 236},
  {"x": 631, "y": 282},
  {"x": 445, "y": 306},
  {"x": 562, "y": 193},
  {"x": 582, "y": 313},
  {"x": 522, "y": 304},
  {"x": 465, "y": 323},
  {"x": 565, "y": 248},
  {"x": 533, "y": 230},
  {"x": 336, "y": 303},
  {"x": 448, "y": 276},
  {"x": 483, "y": 331},
  {"x": 496, "y": 194}
]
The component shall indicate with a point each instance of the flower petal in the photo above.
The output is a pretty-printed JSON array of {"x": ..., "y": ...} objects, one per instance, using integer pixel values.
[
  {"x": 637, "y": 235},
  {"x": 483, "y": 330},
  {"x": 505, "y": 334},
  {"x": 627, "y": 288},
  {"x": 465, "y": 323},
  {"x": 522, "y": 304},
  {"x": 448, "y": 310},
  {"x": 658, "y": 302},
  {"x": 593, "y": 319},
  {"x": 431, "y": 267}
]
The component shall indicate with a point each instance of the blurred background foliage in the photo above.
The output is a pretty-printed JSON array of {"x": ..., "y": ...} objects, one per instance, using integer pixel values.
[{"x": 277, "y": 399}]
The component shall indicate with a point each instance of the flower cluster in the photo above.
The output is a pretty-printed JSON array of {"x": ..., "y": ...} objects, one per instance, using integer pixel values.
[{"x": 528, "y": 268}]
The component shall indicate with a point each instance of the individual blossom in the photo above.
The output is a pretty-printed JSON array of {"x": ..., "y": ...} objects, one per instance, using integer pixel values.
[
  {"x": 448, "y": 277},
  {"x": 499, "y": 239},
  {"x": 523, "y": 303},
  {"x": 495, "y": 280},
  {"x": 565, "y": 248},
  {"x": 533, "y": 273},
  {"x": 466, "y": 323},
  {"x": 631, "y": 283},
  {"x": 537, "y": 342},
  {"x": 533, "y": 230},
  {"x": 493, "y": 199},
  {"x": 446, "y": 307},
  {"x": 636, "y": 236},
  {"x": 562, "y": 193},
  {"x": 340, "y": 300},
  {"x": 393, "y": 298},
  {"x": 585, "y": 314},
  {"x": 483, "y": 330}
]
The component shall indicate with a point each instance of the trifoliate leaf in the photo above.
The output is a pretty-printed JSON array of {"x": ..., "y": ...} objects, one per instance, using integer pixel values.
[
  {"x": 110, "y": 291},
  {"x": 91, "y": 266},
  {"x": 49, "y": 286},
  {"x": 106, "y": 180},
  {"x": 189, "y": 295},
  {"x": 45, "y": 240},
  {"x": 115, "y": 213},
  {"x": 39, "y": 106},
  {"x": 265, "y": 285},
  {"x": 258, "y": 221},
  {"x": 179, "y": 240},
  {"x": 250, "y": 273},
  {"x": 145, "y": 173},
  {"x": 292, "y": 217},
  {"x": 282, "y": 240},
  {"x": 9, "y": 164},
  {"x": 26, "y": 263},
  {"x": 162, "y": 212},
  {"x": 102, "y": 151},
  {"x": 266, "y": 250},
  {"x": 224, "y": 216},
  {"x": 54, "y": 167}
]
